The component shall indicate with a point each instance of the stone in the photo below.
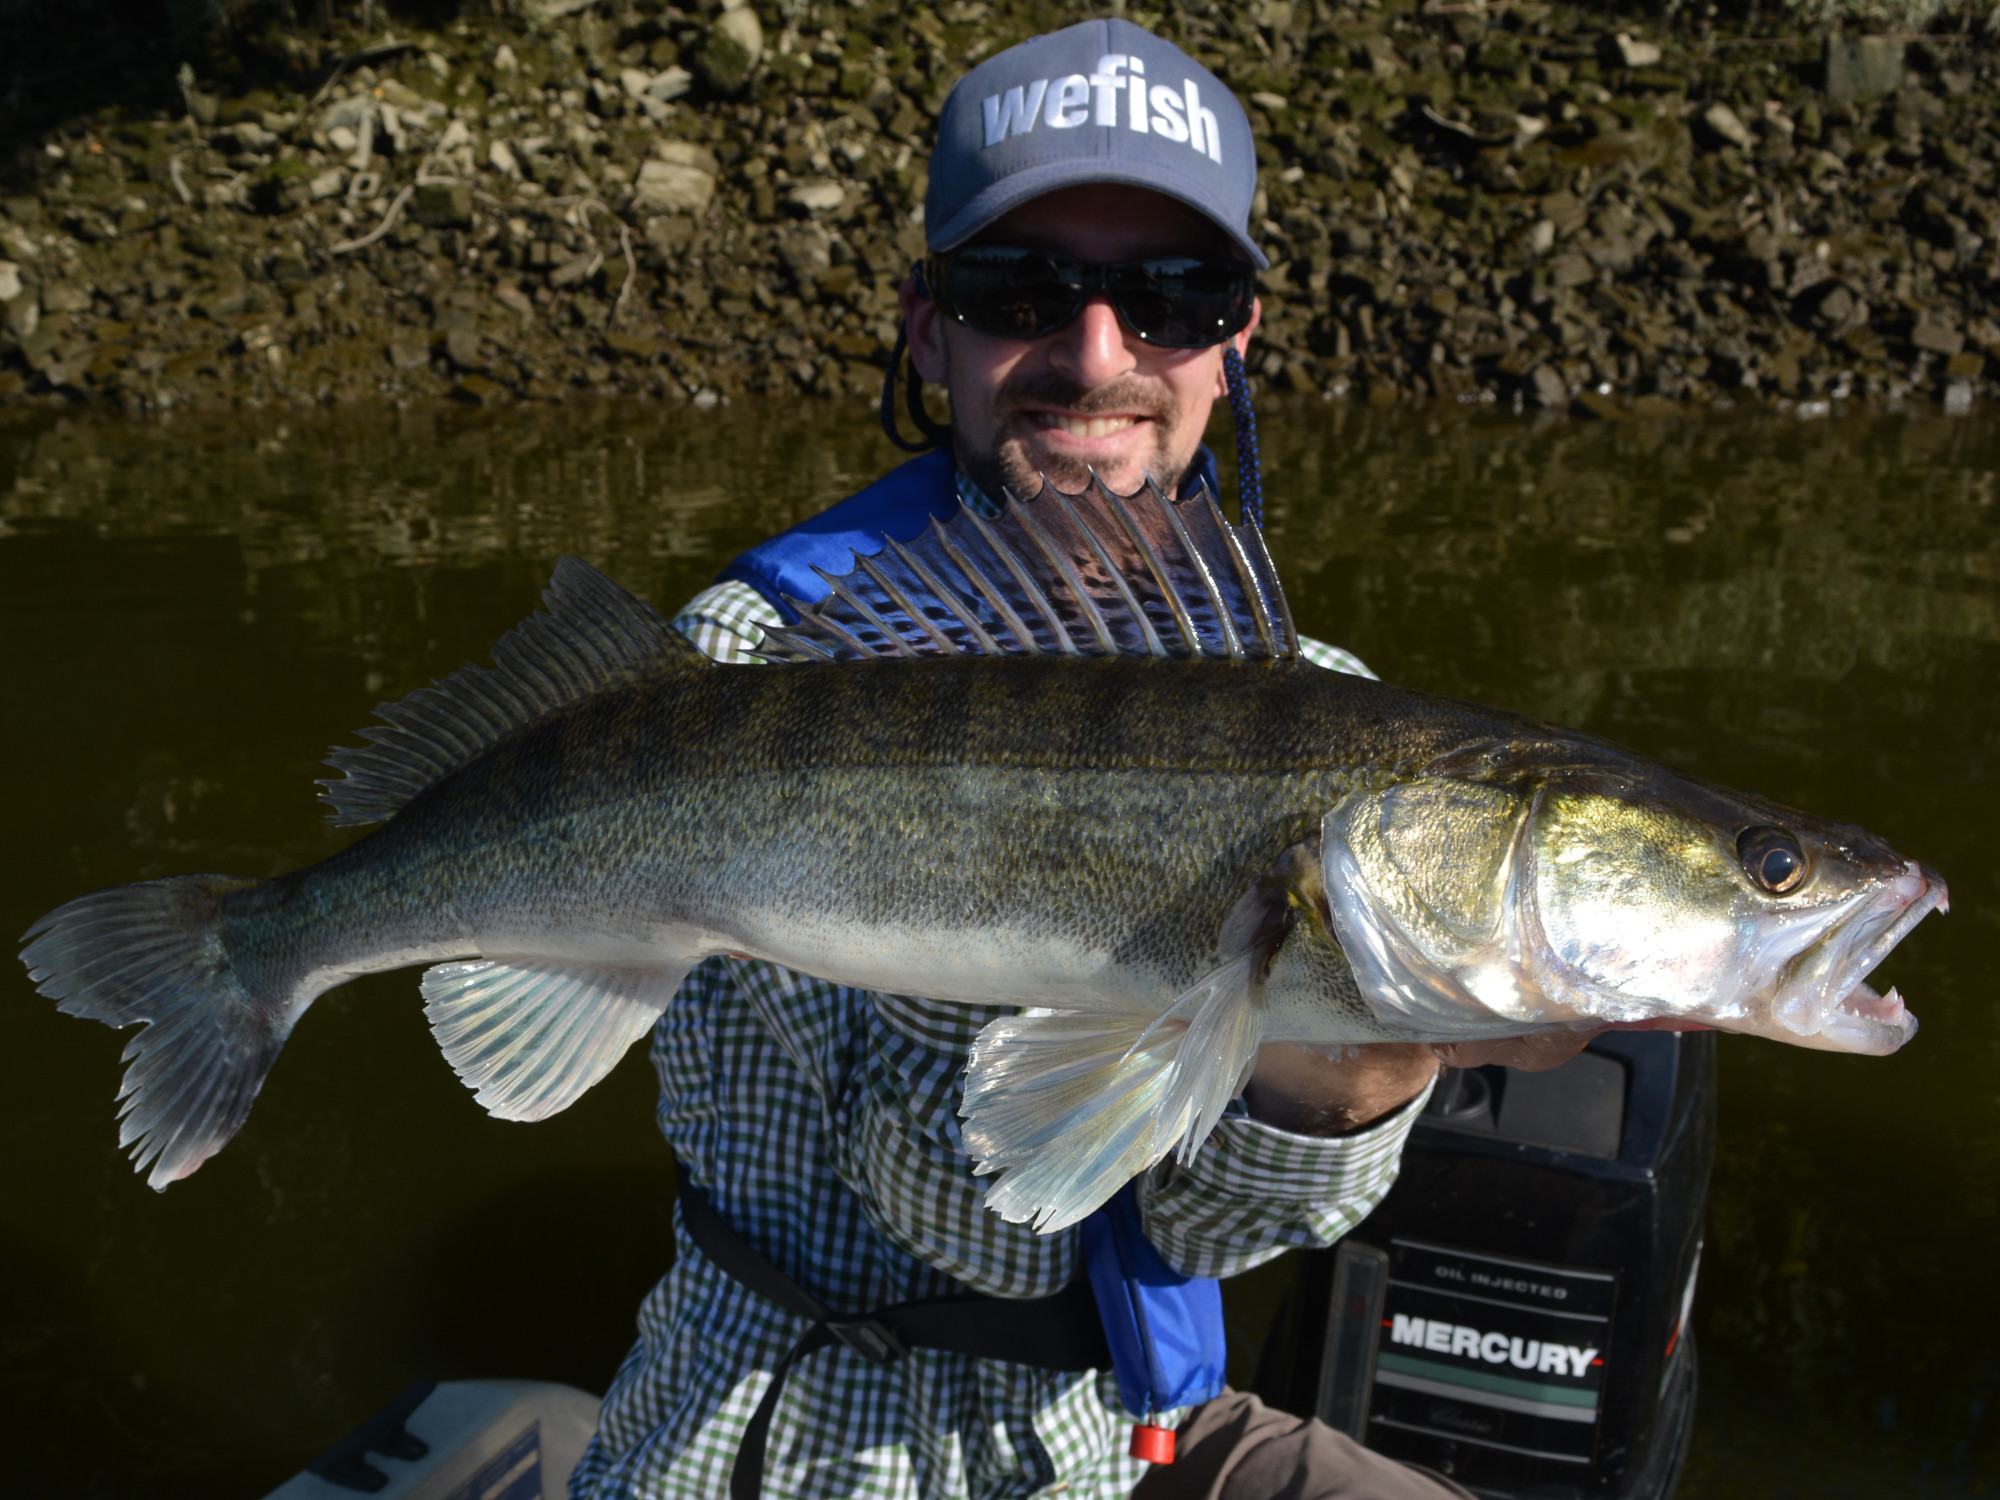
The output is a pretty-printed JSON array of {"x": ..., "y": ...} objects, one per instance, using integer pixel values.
[
  {"x": 477, "y": 389},
  {"x": 10, "y": 281},
  {"x": 328, "y": 184},
  {"x": 63, "y": 296},
  {"x": 409, "y": 351},
  {"x": 1727, "y": 124},
  {"x": 669, "y": 84},
  {"x": 1958, "y": 398},
  {"x": 1859, "y": 67},
  {"x": 24, "y": 316},
  {"x": 816, "y": 197},
  {"x": 687, "y": 154},
  {"x": 1937, "y": 334},
  {"x": 731, "y": 50},
  {"x": 462, "y": 345},
  {"x": 1600, "y": 405},
  {"x": 669, "y": 234},
  {"x": 1570, "y": 270},
  {"x": 514, "y": 299},
  {"x": 575, "y": 270},
  {"x": 634, "y": 347},
  {"x": 1968, "y": 364},
  {"x": 1547, "y": 387},
  {"x": 672, "y": 187},
  {"x": 443, "y": 205},
  {"x": 1622, "y": 50}
]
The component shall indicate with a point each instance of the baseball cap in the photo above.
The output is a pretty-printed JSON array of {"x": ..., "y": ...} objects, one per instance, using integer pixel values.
[{"x": 1102, "y": 101}]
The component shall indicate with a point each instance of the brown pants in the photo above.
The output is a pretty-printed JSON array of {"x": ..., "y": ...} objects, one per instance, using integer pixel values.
[{"x": 1237, "y": 1448}]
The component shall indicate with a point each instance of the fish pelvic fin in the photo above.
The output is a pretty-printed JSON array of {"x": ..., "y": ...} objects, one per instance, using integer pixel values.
[
  {"x": 589, "y": 635},
  {"x": 1068, "y": 1107},
  {"x": 1090, "y": 574},
  {"x": 528, "y": 1038},
  {"x": 155, "y": 954}
]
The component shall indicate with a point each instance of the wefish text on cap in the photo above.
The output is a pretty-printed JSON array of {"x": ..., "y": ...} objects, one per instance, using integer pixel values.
[{"x": 1094, "y": 99}]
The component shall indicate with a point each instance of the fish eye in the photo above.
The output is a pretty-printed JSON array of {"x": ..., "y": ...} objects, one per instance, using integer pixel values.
[{"x": 1771, "y": 857}]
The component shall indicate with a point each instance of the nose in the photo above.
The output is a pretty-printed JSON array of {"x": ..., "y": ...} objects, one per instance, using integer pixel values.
[{"x": 1095, "y": 349}]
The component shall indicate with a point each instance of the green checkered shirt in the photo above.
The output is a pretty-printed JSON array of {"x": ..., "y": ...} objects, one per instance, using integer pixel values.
[{"x": 823, "y": 1123}]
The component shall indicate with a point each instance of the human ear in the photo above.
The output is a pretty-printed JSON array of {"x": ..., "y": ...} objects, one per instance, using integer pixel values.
[
  {"x": 1241, "y": 343},
  {"x": 925, "y": 326}
]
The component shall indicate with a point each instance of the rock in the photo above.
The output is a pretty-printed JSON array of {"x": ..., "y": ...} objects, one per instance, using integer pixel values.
[
  {"x": 477, "y": 389},
  {"x": 513, "y": 298},
  {"x": 328, "y": 184},
  {"x": 672, "y": 187},
  {"x": 504, "y": 60},
  {"x": 633, "y": 347},
  {"x": 1569, "y": 270},
  {"x": 1547, "y": 387},
  {"x": 24, "y": 316},
  {"x": 575, "y": 270},
  {"x": 1958, "y": 398},
  {"x": 1725, "y": 122},
  {"x": 687, "y": 154},
  {"x": 10, "y": 281},
  {"x": 1966, "y": 365},
  {"x": 409, "y": 351},
  {"x": 1937, "y": 334},
  {"x": 816, "y": 197},
  {"x": 1542, "y": 236},
  {"x": 1621, "y": 50},
  {"x": 1859, "y": 67},
  {"x": 668, "y": 85},
  {"x": 443, "y": 205},
  {"x": 1600, "y": 405},
  {"x": 732, "y": 48},
  {"x": 669, "y": 234},
  {"x": 502, "y": 159},
  {"x": 462, "y": 345},
  {"x": 63, "y": 296}
]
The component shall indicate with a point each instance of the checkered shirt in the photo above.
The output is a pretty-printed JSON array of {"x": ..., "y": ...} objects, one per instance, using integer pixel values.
[{"x": 822, "y": 1122}]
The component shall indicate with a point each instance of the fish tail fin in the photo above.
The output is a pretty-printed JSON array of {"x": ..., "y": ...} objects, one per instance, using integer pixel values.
[
  {"x": 154, "y": 954},
  {"x": 1069, "y": 1106}
]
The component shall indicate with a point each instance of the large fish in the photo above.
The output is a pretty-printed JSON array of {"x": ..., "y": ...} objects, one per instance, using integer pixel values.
[{"x": 1069, "y": 759}]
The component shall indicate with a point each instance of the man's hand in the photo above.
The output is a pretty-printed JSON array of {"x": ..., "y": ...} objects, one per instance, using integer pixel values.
[{"x": 1338, "y": 1091}]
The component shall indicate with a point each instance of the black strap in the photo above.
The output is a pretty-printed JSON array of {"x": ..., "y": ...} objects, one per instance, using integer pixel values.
[{"x": 1062, "y": 1332}]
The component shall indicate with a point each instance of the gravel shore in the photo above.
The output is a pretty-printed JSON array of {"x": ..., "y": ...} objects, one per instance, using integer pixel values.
[{"x": 1513, "y": 202}]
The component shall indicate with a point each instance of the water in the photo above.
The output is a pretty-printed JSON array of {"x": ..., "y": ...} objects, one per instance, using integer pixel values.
[{"x": 190, "y": 614}]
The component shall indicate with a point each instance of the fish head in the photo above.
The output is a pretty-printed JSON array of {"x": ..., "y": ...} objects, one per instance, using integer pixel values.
[{"x": 1563, "y": 881}]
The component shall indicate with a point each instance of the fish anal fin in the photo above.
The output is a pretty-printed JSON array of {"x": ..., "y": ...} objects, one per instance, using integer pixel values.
[
  {"x": 589, "y": 635},
  {"x": 528, "y": 1037},
  {"x": 1091, "y": 574}
]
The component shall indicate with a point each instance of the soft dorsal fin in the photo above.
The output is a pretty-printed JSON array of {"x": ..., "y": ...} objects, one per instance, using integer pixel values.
[
  {"x": 1093, "y": 574},
  {"x": 589, "y": 635}
]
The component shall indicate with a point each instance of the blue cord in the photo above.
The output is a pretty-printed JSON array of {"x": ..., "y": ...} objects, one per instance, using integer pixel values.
[{"x": 1249, "y": 473}]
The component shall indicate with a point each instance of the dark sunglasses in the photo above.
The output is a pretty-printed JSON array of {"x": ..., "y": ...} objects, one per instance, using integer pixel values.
[{"x": 1172, "y": 301}]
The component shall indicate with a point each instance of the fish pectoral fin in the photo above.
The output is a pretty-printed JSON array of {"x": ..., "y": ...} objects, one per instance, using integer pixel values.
[
  {"x": 529, "y": 1037},
  {"x": 1069, "y": 1106}
]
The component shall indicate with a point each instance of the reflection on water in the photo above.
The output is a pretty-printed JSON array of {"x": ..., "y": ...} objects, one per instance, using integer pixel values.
[{"x": 192, "y": 613}]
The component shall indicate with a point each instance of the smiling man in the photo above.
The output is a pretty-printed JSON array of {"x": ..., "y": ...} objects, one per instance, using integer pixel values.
[{"x": 1087, "y": 297}]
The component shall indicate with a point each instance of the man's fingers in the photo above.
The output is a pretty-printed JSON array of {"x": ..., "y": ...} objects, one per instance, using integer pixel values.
[{"x": 1545, "y": 1049}]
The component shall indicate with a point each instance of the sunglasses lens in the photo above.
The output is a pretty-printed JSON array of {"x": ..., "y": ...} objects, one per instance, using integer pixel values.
[
  {"x": 1182, "y": 303},
  {"x": 1014, "y": 294}
]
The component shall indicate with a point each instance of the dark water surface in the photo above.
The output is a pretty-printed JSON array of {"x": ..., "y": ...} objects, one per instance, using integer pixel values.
[{"x": 191, "y": 614}]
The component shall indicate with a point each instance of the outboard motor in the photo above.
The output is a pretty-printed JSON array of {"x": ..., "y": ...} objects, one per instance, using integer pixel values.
[{"x": 1515, "y": 1313}]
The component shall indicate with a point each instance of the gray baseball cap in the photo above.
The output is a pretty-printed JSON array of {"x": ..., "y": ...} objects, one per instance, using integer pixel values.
[{"x": 1104, "y": 101}]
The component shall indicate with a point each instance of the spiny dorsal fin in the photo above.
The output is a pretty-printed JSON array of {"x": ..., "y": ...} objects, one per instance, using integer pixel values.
[
  {"x": 1094, "y": 574},
  {"x": 590, "y": 635}
]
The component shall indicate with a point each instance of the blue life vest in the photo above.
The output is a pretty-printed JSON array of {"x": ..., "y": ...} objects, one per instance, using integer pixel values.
[{"x": 1164, "y": 1329}]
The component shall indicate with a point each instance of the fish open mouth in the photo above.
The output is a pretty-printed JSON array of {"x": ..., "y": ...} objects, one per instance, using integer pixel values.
[{"x": 1829, "y": 1002}]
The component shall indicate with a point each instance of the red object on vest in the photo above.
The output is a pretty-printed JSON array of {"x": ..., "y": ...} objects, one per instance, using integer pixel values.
[{"x": 1153, "y": 1445}]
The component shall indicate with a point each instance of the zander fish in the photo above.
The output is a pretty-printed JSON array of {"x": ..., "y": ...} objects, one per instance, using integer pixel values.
[{"x": 1069, "y": 759}]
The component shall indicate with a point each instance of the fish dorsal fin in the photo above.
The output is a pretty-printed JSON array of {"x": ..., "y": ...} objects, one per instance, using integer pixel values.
[
  {"x": 1092, "y": 574},
  {"x": 589, "y": 635}
]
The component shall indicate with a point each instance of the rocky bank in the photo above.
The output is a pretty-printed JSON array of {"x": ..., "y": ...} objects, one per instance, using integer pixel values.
[{"x": 1509, "y": 201}]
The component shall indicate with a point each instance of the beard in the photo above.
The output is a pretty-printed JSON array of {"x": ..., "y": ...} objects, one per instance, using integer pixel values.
[{"x": 1017, "y": 463}]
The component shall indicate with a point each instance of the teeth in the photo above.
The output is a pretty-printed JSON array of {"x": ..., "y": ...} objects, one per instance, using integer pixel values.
[{"x": 1090, "y": 427}]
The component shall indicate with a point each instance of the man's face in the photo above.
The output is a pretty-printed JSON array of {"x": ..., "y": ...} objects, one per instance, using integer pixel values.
[{"x": 1092, "y": 395}]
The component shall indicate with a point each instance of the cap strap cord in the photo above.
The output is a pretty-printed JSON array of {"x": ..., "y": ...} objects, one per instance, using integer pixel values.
[{"x": 1249, "y": 473}]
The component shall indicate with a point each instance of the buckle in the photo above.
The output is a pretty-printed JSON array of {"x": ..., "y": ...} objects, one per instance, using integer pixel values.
[{"x": 868, "y": 1338}]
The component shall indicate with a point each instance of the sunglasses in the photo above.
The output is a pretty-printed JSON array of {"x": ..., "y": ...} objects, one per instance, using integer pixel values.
[{"x": 1171, "y": 301}]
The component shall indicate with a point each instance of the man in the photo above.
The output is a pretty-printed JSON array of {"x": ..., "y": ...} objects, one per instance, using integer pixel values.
[{"x": 1090, "y": 276}]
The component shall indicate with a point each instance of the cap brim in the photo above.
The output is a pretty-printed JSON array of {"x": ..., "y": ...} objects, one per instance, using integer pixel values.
[{"x": 1001, "y": 198}]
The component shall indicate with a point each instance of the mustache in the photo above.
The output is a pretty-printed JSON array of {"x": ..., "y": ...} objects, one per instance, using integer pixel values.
[{"x": 1126, "y": 394}]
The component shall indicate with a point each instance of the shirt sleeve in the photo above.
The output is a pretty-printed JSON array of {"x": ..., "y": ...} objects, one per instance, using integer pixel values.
[
  {"x": 1333, "y": 658},
  {"x": 1254, "y": 1191},
  {"x": 728, "y": 621}
]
